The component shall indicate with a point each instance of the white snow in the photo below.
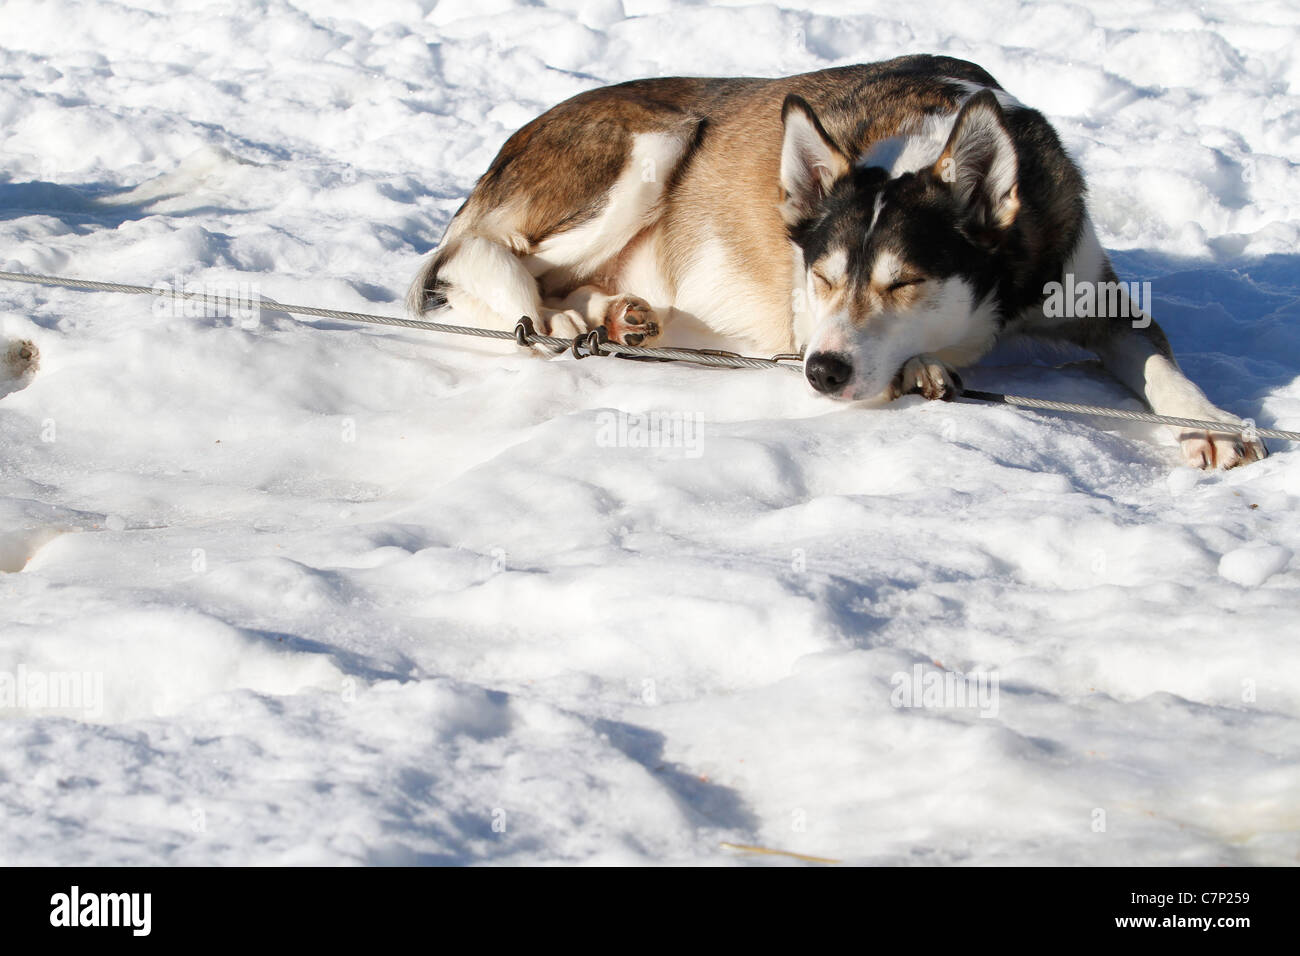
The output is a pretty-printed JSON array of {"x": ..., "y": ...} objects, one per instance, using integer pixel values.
[
  {"x": 341, "y": 594},
  {"x": 1252, "y": 566}
]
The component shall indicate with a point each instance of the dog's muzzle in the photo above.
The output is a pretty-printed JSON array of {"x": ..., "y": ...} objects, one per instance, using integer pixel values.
[{"x": 828, "y": 372}]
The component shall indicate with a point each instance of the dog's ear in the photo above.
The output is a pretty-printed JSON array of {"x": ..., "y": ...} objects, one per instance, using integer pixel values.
[
  {"x": 810, "y": 160},
  {"x": 979, "y": 161}
]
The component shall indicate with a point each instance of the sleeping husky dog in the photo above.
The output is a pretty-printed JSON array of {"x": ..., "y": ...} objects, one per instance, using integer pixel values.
[{"x": 890, "y": 221}]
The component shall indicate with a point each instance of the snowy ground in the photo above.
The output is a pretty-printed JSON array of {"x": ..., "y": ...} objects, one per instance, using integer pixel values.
[{"x": 359, "y": 595}]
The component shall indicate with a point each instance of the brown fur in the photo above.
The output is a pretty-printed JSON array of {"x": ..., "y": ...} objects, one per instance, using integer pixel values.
[
  {"x": 566, "y": 161},
  {"x": 561, "y": 229}
]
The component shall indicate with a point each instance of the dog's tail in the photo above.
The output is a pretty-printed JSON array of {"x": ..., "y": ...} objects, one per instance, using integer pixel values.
[{"x": 429, "y": 292}]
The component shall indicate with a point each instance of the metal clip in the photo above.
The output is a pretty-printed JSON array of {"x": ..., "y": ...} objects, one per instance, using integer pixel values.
[
  {"x": 524, "y": 331},
  {"x": 591, "y": 341}
]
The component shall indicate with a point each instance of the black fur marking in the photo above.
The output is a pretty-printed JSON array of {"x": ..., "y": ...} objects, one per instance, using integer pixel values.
[
  {"x": 922, "y": 223},
  {"x": 436, "y": 294}
]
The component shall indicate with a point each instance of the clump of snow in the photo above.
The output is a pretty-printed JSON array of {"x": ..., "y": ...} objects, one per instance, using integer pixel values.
[
  {"x": 1252, "y": 566},
  {"x": 450, "y": 603}
]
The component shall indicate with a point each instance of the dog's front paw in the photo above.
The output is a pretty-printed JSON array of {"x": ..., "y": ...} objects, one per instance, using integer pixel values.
[
  {"x": 928, "y": 376},
  {"x": 630, "y": 320},
  {"x": 1210, "y": 450},
  {"x": 562, "y": 325}
]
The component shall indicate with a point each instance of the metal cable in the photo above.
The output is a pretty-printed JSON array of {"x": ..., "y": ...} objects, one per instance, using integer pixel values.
[
  {"x": 595, "y": 347},
  {"x": 1072, "y": 408},
  {"x": 595, "y": 344}
]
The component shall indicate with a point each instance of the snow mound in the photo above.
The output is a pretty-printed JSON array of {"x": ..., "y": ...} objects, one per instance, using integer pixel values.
[{"x": 301, "y": 592}]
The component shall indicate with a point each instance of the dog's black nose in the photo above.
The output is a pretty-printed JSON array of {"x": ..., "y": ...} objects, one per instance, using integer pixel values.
[{"x": 828, "y": 371}]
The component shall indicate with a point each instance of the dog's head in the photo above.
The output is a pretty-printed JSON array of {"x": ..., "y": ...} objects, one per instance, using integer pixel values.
[{"x": 896, "y": 264}]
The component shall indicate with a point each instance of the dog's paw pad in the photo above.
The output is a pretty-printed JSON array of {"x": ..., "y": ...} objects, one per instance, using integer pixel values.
[{"x": 630, "y": 320}]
